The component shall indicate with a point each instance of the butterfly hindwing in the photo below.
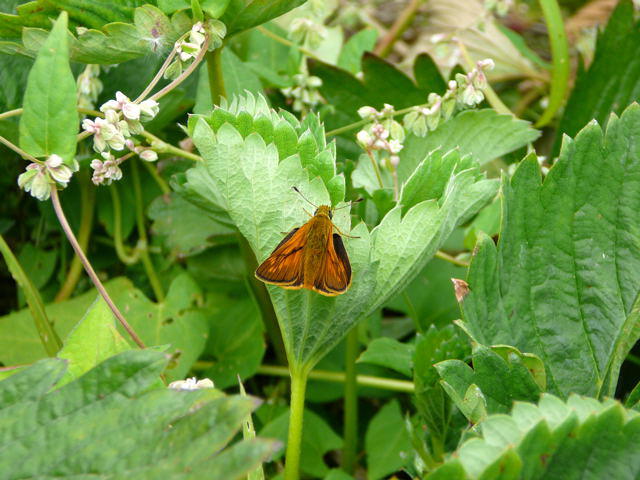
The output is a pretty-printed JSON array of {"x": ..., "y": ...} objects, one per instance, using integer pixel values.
[
  {"x": 284, "y": 266},
  {"x": 335, "y": 276}
]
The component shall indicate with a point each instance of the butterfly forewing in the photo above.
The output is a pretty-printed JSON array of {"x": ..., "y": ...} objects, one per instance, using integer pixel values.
[
  {"x": 335, "y": 276},
  {"x": 284, "y": 266}
]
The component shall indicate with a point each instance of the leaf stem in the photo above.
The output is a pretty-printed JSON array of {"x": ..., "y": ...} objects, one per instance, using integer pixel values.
[
  {"x": 216, "y": 76},
  {"x": 382, "y": 383},
  {"x": 365, "y": 121},
  {"x": 158, "y": 75},
  {"x": 165, "y": 147},
  {"x": 448, "y": 258},
  {"x": 143, "y": 241},
  {"x": 398, "y": 28},
  {"x": 350, "y": 428},
  {"x": 48, "y": 336},
  {"x": 560, "y": 57},
  {"x": 87, "y": 209},
  {"x": 265, "y": 31},
  {"x": 294, "y": 439},
  {"x": 18, "y": 150},
  {"x": 183, "y": 76},
  {"x": 10, "y": 113},
  {"x": 55, "y": 200}
]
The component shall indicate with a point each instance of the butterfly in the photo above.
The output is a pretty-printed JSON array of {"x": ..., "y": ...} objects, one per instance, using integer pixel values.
[{"x": 311, "y": 256}]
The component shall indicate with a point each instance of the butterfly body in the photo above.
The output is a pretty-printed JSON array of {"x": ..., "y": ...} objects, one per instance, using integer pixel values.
[{"x": 311, "y": 257}]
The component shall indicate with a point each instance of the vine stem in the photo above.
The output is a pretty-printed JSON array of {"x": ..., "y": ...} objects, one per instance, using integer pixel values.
[
  {"x": 216, "y": 76},
  {"x": 18, "y": 150},
  {"x": 448, "y": 258},
  {"x": 168, "y": 148},
  {"x": 55, "y": 200},
  {"x": 350, "y": 429},
  {"x": 265, "y": 31},
  {"x": 294, "y": 439},
  {"x": 374, "y": 164},
  {"x": 398, "y": 28},
  {"x": 158, "y": 75},
  {"x": 121, "y": 250}
]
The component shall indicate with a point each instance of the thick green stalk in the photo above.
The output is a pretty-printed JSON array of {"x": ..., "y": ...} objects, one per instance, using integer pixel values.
[
  {"x": 87, "y": 209},
  {"x": 560, "y": 56},
  {"x": 143, "y": 242},
  {"x": 350, "y": 403},
  {"x": 216, "y": 78},
  {"x": 121, "y": 249},
  {"x": 294, "y": 439}
]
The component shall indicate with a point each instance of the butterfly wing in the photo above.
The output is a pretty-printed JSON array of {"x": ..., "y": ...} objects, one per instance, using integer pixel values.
[
  {"x": 335, "y": 276},
  {"x": 284, "y": 267}
]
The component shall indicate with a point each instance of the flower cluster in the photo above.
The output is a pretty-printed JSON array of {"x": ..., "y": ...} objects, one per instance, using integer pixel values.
[
  {"x": 122, "y": 118},
  {"x": 188, "y": 49},
  {"x": 465, "y": 91},
  {"x": 305, "y": 93},
  {"x": 383, "y": 134},
  {"x": 38, "y": 178},
  {"x": 89, "y": 86},
  {"x": 191, "y": 384},
  {"x": 306, "y": 31}
]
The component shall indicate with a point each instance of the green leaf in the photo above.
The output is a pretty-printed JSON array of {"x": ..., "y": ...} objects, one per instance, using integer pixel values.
[
  {"x": 352, "y": 51},
  {"x": 612, "y": 81},
  {"x": 387, "y": 442},
  {"x": 317, "y": 439},
  {"x": 581, "y": 438},
  {"x": 248, "y": 433},
  {"x": 84, "y": 427},
  {"x": 43, "y": 333},
  {"x": 37, "y": 263},
  {"x": 185, "y": 228},
  {"x": 236, "y": 340},
  {"x": 389, "y": 353},
  {"x": 49, "y": 123},
  {"x": 94, "y": 339},
  {"x": 176, "y": 321},
  {"x": 483, "y": 134},
  {"x": 500, "y": 375},
  {"x": 564, "y": 279},
  {"x": 381, "y": 83},
  {"x": 241, "y": 16}
]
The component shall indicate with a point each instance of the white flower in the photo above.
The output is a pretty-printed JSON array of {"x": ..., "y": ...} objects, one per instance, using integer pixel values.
[
  {"x": 104, "y": 172},
  {"x": 149, "y": 109},
  {"x": 191, "y": 384},
  {"x": 364, "y": 138},
  {"x": 486, "y": 64},
  {"x": 367, "y": 112},
  {"x": 395, "y": 146},
  {"x": 36, "y": 181},
  {"x": 58, "y": 170}
]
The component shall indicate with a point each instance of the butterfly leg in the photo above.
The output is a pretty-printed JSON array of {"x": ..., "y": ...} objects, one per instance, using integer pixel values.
[{"x": 343, "y": 234}]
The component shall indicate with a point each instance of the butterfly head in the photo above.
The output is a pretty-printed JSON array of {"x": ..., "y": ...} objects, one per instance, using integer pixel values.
[{"x": 324, "y": 211}]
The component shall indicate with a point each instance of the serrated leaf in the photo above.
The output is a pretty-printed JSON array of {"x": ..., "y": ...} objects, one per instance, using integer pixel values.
[
  {"x": 387, "y": 442},
  {"x": 84, "y": 427},
  {"x": 563, "y": 282},
  {"x": 389, "y": 353},
  {"x": 483, "y": 134},
  {"x": 612, "y": 81},
  {"x": 581, "y": 438},
  {"x": 49, "y": 122}
]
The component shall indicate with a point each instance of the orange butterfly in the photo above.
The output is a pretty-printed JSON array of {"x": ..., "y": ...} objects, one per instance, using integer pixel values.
[{"x": 311, "y": 257}]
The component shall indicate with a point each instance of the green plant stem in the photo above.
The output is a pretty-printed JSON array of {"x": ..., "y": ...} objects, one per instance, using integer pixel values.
[
  {"x": 143, "y": 241},
  {"x": 10, "y": 113},
  {"x": 376, "y": 169},
  {"x": 560, "y": 57},
  {"x": 216, "y": 76},
  {"x": 268, "y": 33},
  {"x": 390, "y": 384},
  {"x": 158, "y": 75},
  {"x": 48, "y": 336},
  {"x": 398, "y": 28},
  {"x": 448, "y": 258},
  {"x": 161, "y": 182},
  {"x": 294, "y": 439},
  {"x": 164, "y": 147},
  {"x": 261, "y": 296},
  {"x": 350, "y": 427},
  {"x": 18, "y": 150},
  {"x": 87, "y": 209},
  {"x": 491, "y": 96},
  {"x": 55, "y": 200},
  {"x": 121, "y": 250}
]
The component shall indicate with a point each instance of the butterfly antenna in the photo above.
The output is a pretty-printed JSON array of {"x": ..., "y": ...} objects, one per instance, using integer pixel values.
[
  {"x": 357, "y": 200},
  {"x": 305, "y": 198}
]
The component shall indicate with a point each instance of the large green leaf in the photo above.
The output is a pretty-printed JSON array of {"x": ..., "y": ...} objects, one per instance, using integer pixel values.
[
  {"x": 85, "y": 428},
  {"x": 49, "y": 123},
  {"x": 612, "y": 81},
  {"x": 484, "y": 134},
  {"x": 390, "y": 353},
  {"x": 241, "y": 15},
  {"x": 253, "y": 156},
  {"x": 176, "y": 321},
  {"x": 564, "y": 280},
  {"x": 387, "y": 442},
  {"x": 581, "y": 438}
]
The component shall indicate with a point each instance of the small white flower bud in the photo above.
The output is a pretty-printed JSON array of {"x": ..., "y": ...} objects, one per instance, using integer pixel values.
[
  {"x": 148, "y": 155},
  {"x": 364, "y": 138},
  {"x": 367, "y": 112}
]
